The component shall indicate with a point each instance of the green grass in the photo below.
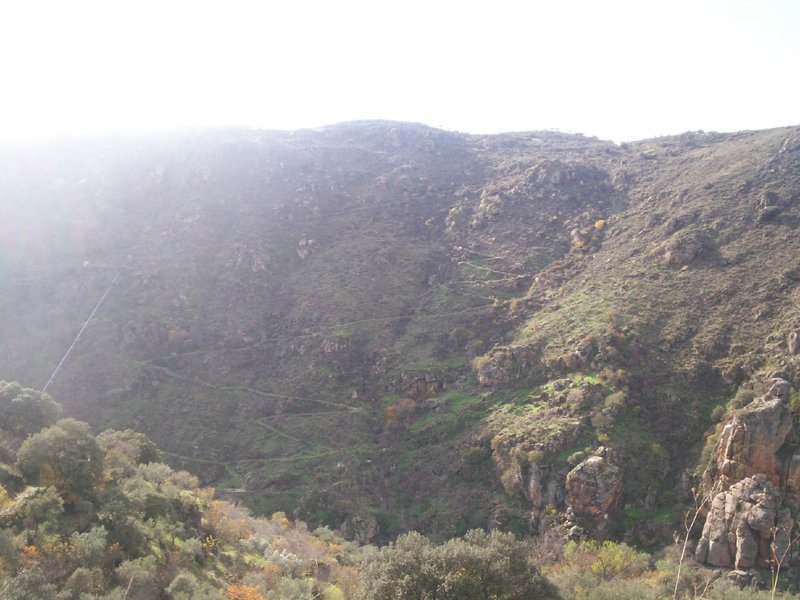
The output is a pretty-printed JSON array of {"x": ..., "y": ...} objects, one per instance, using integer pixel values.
[
  {"x": 661, "y": 515},
  {"x": 457, "y": 410},
  {"x": 584, "y": 441}
]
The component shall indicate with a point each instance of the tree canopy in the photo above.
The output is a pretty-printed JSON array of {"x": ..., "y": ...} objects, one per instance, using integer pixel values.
[
  {"x": 24, "y": 411},
  {"x": 65, "y": 456}
]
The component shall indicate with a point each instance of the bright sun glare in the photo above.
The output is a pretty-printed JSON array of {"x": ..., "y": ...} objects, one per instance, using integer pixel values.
[{"x": 617, "y": 69}]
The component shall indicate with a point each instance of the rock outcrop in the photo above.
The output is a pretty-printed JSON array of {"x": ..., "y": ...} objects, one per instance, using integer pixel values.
[
  {"x": 422, "y": 385},
  {"x": 506, "y": 364},
  {"x": 594, "y": 488},
  {"x": 793, "y": 342},
  {"x": 545, "y": 487},
  {"x": 752, "y": 485},
  {"x": 749, "y": 444},
  {"x": 682, "y": 249},
  {"x": 743, "y": 524}
]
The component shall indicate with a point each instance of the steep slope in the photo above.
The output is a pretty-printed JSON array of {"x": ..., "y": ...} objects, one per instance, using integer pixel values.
[
  {"x": 693, "y": 292},
  {"x": 386, "y": 326}
]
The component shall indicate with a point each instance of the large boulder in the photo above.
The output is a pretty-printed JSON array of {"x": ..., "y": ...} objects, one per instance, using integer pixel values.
[
  {"x": 594, "y": 488},
  {"x": 682, "y": 248}
]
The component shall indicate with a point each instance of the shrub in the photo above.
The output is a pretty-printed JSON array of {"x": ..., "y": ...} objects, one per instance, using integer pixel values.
[
  {"x": 239, "y": 591},
  {"x": 604, "y": 571},
  {"x": 743, "y": 397},
  {"x": 717, "y": 413},
  {"x": 479, "y": 566}
]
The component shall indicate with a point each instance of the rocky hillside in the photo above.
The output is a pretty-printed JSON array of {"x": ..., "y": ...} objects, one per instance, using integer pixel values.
[{"x": 382, "y": 326}]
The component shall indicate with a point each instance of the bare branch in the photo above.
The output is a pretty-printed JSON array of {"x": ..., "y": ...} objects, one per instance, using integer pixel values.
[{"x": 689, "y": 526}]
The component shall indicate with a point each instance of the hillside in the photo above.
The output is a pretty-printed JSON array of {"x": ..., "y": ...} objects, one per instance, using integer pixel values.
[
  {"x": 382, "y": 327},
  {"x": 85, "y": 517}
]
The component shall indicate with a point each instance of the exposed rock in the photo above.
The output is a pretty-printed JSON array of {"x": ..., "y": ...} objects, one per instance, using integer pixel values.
[
  {"x": 362, "y": 528},
  {"x": 421, "y": 385},
  {"x": 557, "y": 172},
  {"x": 754, "y": 490},
  {"x": 490, "y": 207},
  {"x": 791, "y": 470},
  {"x": 768, "y": 213},
  {"x": 791, "y": 143},
  {"x": 750, "y": 442},
  {"x": 594, "y": 488},
  {"x": 768, "y": 198},
  {"x": 334, "y": 346},
  {"x": 595, "y": 352},
  {"x": 305, "y": 247},
  {"x": 576, "y": 533},
  {"x": 745, "y": 579},
  {"x": 545, "y": 487},
  {"x": 682, "y": 249},
  {"x": 793, "y": 342},
  {"x": 577, "y": 238},
  {"x": 780, "y": 388},
  {"x": 741, "y": 525},
  {"x": 506, "y": 364}
]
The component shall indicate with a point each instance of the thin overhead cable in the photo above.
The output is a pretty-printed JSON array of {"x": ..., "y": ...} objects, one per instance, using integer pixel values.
[{"x": 77, "y": 337}]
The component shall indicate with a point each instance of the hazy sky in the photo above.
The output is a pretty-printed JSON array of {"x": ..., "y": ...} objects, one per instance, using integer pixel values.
[{"x": 615, "y": 69}]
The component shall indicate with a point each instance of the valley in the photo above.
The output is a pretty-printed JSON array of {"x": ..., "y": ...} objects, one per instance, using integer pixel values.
[{"x": 383, "y": 327}]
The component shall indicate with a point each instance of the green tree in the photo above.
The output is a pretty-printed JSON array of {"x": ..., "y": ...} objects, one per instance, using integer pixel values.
[
  {"x": 490, "y": 566},
  {"x": 85, "y": 581},
  {"x": 125, "y": 450},
  {"x": 90, "y": 546},
  {"x": 405, "y": 570},
  {"x": 43, "y": 510},
  {"x": 65, "y": 456},
  {"x": 138, "y": 578},
  {"x": 24, "y": 411},
  {"x": 26, "y": 585}
]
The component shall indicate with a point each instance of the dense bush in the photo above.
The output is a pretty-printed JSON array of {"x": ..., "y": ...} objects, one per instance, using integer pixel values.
[
  {"x": 101, "y": 519},
  {"x": 604, "y": 571},
  {"x": 480, "y": 565}
]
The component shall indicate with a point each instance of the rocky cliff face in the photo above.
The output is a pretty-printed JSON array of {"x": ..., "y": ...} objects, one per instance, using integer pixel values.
[
  {"x": 594, "y": 489},
  {"x": 751, "y": 486},
  {"x": 749, "y": 444},
  {"x": 746, "y": 526}
]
